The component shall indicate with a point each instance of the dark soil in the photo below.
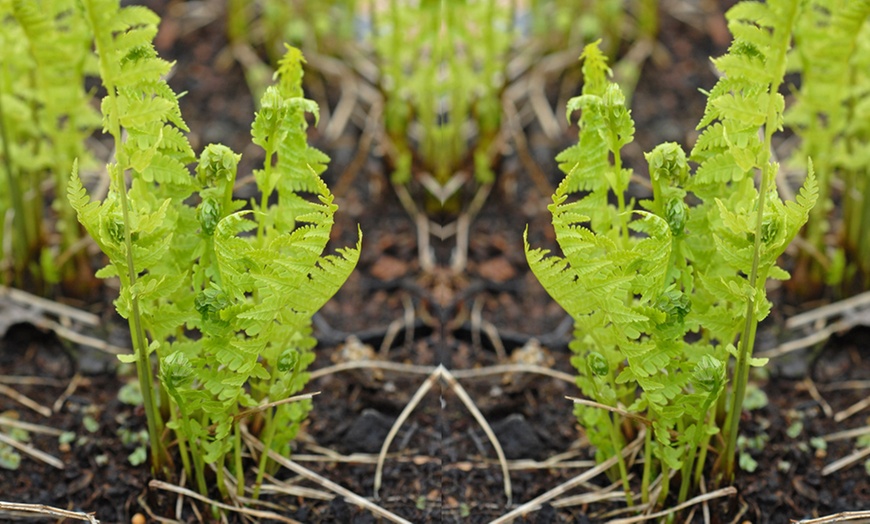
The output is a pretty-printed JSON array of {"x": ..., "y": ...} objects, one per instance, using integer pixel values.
[{"x": 444, "y": 468}]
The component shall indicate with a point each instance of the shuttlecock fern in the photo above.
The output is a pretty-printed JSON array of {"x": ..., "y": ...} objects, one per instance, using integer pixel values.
[
  {"x": 638, "y": 283},
  {"x": 227, "y": 311}
]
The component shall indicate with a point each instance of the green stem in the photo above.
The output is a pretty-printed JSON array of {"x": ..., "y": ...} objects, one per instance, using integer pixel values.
[
  {"x": 756, "y": 279},
  {"x": 620, "y": 191},
  {"x": 237, "y": 454},
  {"x": 182, "y": 445},
  {"x": 221, "y": 479},
  {"x": 264, "y": 199},
  {"x": 194, "y": 445},
  {"x": 264, "y": 457},
  {"x": 104, "y": 47},
  {"x": 20, "y": 239},
  {"x": 616, "y": 440},
  {"x": 686, "y": 472},
  {"x": 647, "y": 466},
  {"x": 618, "y": 445},
  {"x": 702, "y": 456}
]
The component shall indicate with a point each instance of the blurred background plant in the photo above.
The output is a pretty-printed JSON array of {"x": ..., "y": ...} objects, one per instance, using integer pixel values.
[
  {"x": 445, "y": 87},
  {"x": 831, "y": 116},
  {"x": 45, "y": 117}
]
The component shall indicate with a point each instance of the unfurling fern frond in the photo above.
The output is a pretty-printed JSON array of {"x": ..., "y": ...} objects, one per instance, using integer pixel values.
[
  {"x": 233, "y": 309},
  {"x": 637, "y": 283}
]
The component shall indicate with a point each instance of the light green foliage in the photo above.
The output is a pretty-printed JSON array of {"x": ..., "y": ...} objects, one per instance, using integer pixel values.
[
  {"x": 832, "y": 42},
  {"x": 794, "y": 429},
  {"x": 558, "y": 25},
  {"x": 9, "y": 458},
  {"x": 448, "y": 75},
  {"x": 45, "y": 117},
  {"x": 223, "y": 296},
  {"x": 660, "y": 295},
  {"x": 327, "y": 26}
]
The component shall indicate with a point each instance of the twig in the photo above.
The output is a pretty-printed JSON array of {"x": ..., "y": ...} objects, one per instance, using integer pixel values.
[
  {"x": 847, "y": 384},
  {"x": 839, "y": 517},
  {"x": 536, "y": 502},
  {"x": 459, "y": 373},
  {"x": 30, "y": 381},
  {"x": 61, "y": 310},
  {"x": 618, "y": 411},
  {"x": 847, "y": 434},
  {"x": 812, "y": 339},
  {"x": 278, "y": 486},
  {"x": 78, "y": 338},
  {"x": 599, "y": 495},
  {"x": 724, "y": 492},
  {"x": 70, "y": 389},
  {"x": 743, "y": 509},
  {"x": 403, "y": 416},
  {"x": 481, "y": 420},
  {"x": 264, "y": 407},
  {"x": 371, "y": 364},
  {"x": 326, "y": 483},
  {"x": 848, "y": 460},
  {"x": 828, "y": 311},
  {"x": 27, "y": 426},
  {"x": 514, "y": 368},
  {"x": 463, "y": 228},
  {"x": 364, "y": 145},
  {"x": 515, "y": 127},
  {"x": 518, "y": 465},
  {"x": 814, "y": 392},
  {"x": 159, "y": 484},
  {"x": 24, "y": 400},
  {"x": 33, "y": 452},
  {"x": 705, "y": 507},
  {"x": 363, "y": 458},
  {"x": 851, "y": 410},
  {"x": 143, "y": 503},
  {"x": 42, "y": 509}
]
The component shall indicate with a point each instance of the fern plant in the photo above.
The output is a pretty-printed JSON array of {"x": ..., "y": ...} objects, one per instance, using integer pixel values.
[
  {"x": 223, "y": 296},
  {"x": 829, "y": 115},
  {"x": 664, "y": 293},
  {"x": 45, "y": 117}
]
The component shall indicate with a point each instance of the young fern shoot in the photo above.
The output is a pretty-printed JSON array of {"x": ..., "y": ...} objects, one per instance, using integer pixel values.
[
  {"x": 138, "y": 227},
  {"x": 639, "y": 283},
  {"x": 226, "y": 311}
]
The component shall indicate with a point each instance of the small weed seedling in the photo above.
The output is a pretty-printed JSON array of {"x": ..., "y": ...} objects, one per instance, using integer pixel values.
[
  {"x": 665, "y": 292},
  {"x": 222, "y": 296}
]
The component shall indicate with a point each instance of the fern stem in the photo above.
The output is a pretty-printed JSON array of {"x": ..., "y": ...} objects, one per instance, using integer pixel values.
[
  {"x": 647, "y": 466},
  {"x": 702, "y": 446},
  {"x": 105, "y": 45},
  {"x": 781, "y": 39},
  {"x": 620, "y": 192},
  {"x": 182, "y": 445},
  {"x": 221, "y": 478},
  {"x": 237, "y": 455},
  {"x": 617, "y": 446},
  {"x": 686, "y": 472},
  {"x": 21, "y": 239},
  {"x": 264, "y": 457},
  {"x": 264, "y": 198}
]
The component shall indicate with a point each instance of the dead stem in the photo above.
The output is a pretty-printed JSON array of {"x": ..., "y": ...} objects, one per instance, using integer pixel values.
[
  {"x": 33, "y": 452},
  {"x": 42, "y": 509}
]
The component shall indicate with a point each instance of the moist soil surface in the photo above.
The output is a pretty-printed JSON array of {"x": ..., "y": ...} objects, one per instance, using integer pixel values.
[{"x": 488, "y": 312}]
